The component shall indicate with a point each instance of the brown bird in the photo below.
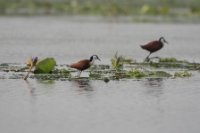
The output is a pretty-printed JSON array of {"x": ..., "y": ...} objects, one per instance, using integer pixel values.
[
  {"x": 84, "y": 64},
  {"x": 154, "y": 46}
]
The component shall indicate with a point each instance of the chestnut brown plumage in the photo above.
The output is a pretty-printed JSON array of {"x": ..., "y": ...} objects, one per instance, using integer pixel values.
[
  {"x": 84, "y": 64},
  {"x": 154, "y": 46}
]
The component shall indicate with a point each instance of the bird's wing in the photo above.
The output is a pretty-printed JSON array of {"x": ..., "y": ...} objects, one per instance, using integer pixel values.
[
  {"x": 80, "y": 65},
  {"x": 152, "y": 46}
]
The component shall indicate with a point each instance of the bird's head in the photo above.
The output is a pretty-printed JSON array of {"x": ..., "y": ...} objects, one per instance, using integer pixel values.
[
  {"x": 162, "y": 39},
  {"x": 94, "y": 57}
]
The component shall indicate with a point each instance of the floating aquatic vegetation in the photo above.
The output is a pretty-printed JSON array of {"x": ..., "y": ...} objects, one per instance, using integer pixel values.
[
  {"x": 167, "y": 59},
  {"x": 182, "y": 74},
  {"x": 166, "y": 65},
  {"x": 172, "y": 59},
  {"x": 158, "y": 74},
  {"x": 12, "y": 67},
  {"x": 126, "y": 60},
  {"x": 16, "y": 76},
  {"x": 164, "y": 68},
  {"x": 50, "y": 76},
  {"x": 136, "y": 73},
  {"x": 93, "y": 75},
  {"x": 45, "y": 66},
  {"x": 4, "y": 65},
  {"x": 100, "y": 67},
  {"x": 117, "y": 62},
  {"x": 174, "y": 63},
  {"x": 119, "y": 75},
  {"x": 60, "y": 71}
]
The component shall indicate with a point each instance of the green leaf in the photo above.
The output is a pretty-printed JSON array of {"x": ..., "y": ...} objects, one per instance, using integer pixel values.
[{"x": 45, "y": 66}]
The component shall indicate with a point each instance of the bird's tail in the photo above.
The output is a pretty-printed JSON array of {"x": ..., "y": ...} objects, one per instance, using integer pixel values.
[
  {"x": 142, "y": 46},
  {"x": 68, "y": 65}
]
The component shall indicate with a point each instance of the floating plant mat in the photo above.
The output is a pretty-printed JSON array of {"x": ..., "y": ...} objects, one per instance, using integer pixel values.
[{"x": 162, "y": 68}]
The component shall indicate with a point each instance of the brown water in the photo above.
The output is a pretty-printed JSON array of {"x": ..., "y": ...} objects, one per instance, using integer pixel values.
[{"x": 91, "y": 106}]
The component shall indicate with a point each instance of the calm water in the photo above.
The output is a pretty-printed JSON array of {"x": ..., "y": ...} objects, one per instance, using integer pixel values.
[{"x": 153, "y": 106}]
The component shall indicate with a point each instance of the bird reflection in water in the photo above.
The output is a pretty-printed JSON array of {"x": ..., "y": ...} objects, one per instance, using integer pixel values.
[
  {"x": 154, "y": 86},
  {"x": 83, "y": 85},
  {"x": 153, "y": 92}
]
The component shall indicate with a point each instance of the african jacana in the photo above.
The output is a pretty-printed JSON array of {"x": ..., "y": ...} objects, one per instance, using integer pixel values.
[
  {"x": 84, "y": 64},
  {"x": 154, "y": 46},
  {"x": 31, "y": 63}
]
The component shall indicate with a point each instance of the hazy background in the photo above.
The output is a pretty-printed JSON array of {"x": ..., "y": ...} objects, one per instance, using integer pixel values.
[{"x": 137, "y": 10}]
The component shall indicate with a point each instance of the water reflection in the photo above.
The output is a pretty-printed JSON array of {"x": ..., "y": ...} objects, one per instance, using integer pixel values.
[
  {"x": 154, "y": 86},
  {"x": 153, "y": 90},
  {"x": 82, "y": 85},
  {"x": 30, "y": 87},
  {"x": 45, "y": 82},
  {"x": 41, "y": 87}
]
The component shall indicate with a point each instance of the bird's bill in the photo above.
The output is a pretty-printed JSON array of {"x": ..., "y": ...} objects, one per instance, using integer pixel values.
[
  {"x": 166, "y": 42},
  {"x": 98, "y": 59}
]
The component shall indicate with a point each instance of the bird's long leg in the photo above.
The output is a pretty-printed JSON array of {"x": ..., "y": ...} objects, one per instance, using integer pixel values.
[
  {"x": 79, "y": 73},
  {"x": 147, "y": 58}
]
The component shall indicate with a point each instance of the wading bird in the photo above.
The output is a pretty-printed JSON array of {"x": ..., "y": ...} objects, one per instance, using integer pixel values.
[
  {"x": 31, "y": 63},
  {"x": 84, "y": 64},
  {"x": 154, "y": 46}
]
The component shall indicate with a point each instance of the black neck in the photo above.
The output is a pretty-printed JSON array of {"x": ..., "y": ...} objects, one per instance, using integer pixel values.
[
  {"x": 91, "y": 58},
  {"x": 160, "y": 39}
]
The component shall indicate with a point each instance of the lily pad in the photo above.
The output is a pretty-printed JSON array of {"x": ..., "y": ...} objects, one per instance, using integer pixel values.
[{"x": 45, "y": 66}]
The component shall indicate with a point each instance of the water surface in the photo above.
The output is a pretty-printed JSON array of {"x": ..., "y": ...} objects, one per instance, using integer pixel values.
[
  {"x": 69, "y": 39},
  {"x": 92, "y": 106}
]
